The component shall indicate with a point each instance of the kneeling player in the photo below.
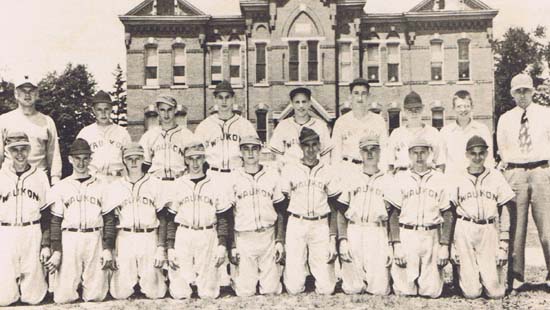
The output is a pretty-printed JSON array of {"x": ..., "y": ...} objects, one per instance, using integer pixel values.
[
  {"x": 23, "y": 191},
  {"x": 82, "y": 230},
  {"x": 310, "y": 236},
  {"x": 481, "y": 236},
  {"x": 362, "y": 227},
  {"x": 197, "y": 229},
  {"x": 258, "y": 214},
  {"x": 420, "y": 220},
  {"x": 140, "y": 243}
]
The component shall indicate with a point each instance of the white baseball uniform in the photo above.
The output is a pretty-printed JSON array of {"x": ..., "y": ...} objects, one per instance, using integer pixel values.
[
  {"x": 106, "y": 143},
  {"x": 164, "y": 151},
  {"x": 367, "y": 230},
  {"x": 421, "y": 199},
  {"x": 21, "y": 200},
  {"x": 477, "y": 199},
  {"x": 136, "y": 206},
  {"x": 80, "y": 204},
  {"x": 195, "y": 207},
  {"x": 400, "y": 138},
  {"x": 307, "y": 234},
  {"x": 255, "y": 217},
  {"x": 285, "y": 138}
]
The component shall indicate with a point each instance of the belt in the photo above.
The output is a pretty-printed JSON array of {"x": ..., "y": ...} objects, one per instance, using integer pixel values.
[
  {"x": 167, "y": 179},
  {"x": 310, "y": 218},
  {"x": 138, "y": 230},
  {"x": 419, "y": 227},
  {"x": 220, "y": 170},
  {"x": 401, "y": 168},
  {"x": 20, "y": 224},
  {"x": 257, "y": 230},
  {"x": 528, "y": 166},
  {"x": 364, "y": 223},
  {"x": 480, "y": 222},
  {"x": 197, "y": 227},
  {"x": 85, "y": 230},
  {"x": 353, "y": 160}
]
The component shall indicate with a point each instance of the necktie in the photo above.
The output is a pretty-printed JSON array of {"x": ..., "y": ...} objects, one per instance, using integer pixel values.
[{"x": 525, "y": 143}]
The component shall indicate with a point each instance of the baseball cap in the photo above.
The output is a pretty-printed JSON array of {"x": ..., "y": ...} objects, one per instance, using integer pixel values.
[
  {"x": 412, "y": 100},
  {"x": 167, "y": 99},
  {"x": 224, "y": 86},
  {"x": 367, "y": 141},
  {"x": 476, "y": 141},
  {"x": 359, "y": 81},
  {"x": 150, "y": 110},
  {"x": 80, "y": 147},
  {"x": 25, "y": 81},
  {"x": 14, "y": 139},
  {"x": 308, "y": 134},
  {"x": 132, "y": 148},
  {"x": 250, "y": 140},
  {"x": 521, "y": 80},
  {"x": 181, "y": 110},
  {"x": 300, "y": 90},
  {"x": 419, "y": 141},
  {"x": 102, "y": 97},
  {"x": 193, "y": 148}
]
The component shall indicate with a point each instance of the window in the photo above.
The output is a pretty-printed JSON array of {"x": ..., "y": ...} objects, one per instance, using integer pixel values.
[
  {"x": 295, "y": 66},
  {"x": 346, "y": 68},
  {"x": 151, "y": 66},
  {"x": 464, "y": 60},
  {"x": 438, "y": 118},
  {"x": 261, "y": 63},
  {"x": 312, "y": 61},
  {"x": 394, "y": 119},
  {"x": 216, "y": 64},
  {"x": 373, "y": 62},
  {"x": 436, "y": 63},
  {"x": 294, "y": 61},
  {"x": 235, "y": 64},
  {"x": 179, "y": 65},
  {"x": 393, "y": 62}
]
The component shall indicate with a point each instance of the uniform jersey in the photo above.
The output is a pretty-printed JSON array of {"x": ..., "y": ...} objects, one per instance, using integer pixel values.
[
  {"x": 222, "y": 138},
  {"x": 106, "y": 143},
  {"x": 309, "y": 188},
  {"x": 42, "y": 135},
  {"x": 479, "y": 197},
  {"x": 420, "y": 197},
  {"x": 164, "y": 150},
  {"x": 365, "y": 196},
  {"x": 253, "y": 197},
  {"x": 136, "y": 203},
  {"x": 80, "y": 204},
  {"x": 285, "y": 138},
  {"x": 22, "y": 197},
  {"x": 401, "y": 138}
]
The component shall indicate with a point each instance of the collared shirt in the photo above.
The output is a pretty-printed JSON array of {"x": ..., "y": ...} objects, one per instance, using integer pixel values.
[
  {"x": 539, "y": 129},
  {"x": 400, "y": 139},
  {"x": 309, "y": 188},
  {"x": 421, "y": 197},
  {"x": 455, "y": 139},
  {"x": 365, "y": 196},
  {"x": 479, "y": 197},
  {"x": 22, "y": 197},
  {"x": 253, "y": 197}
]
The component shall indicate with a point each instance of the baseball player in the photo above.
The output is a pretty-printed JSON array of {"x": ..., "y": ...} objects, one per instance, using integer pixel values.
[
  {"x": 197, "y": 229},
  {"x": 420, "y": 222},
  {"x": 137, "y": 201},
  {"x": 284, "y": 141},
  {"x": 258, "y": 219},
  {"x": 105, "y": 138},
  {"x": 310, "y": 235},
  {"x": 363, "y": 225},
  {"x": 38, "y": 127},
  {"x": 82, "y": 232},
  {"x": 24, "y": 227},
  {"x": 482, "y": 197},
  {"x": 163, "y": 145},
  {"x": 401, "y": 137}
]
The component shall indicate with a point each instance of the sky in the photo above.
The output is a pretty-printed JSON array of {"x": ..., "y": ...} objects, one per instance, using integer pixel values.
[{"x": 40, "y": 36}]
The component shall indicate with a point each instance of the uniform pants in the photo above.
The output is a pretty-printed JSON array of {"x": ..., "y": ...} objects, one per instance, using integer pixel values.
[
  {"x": 256, "y": 263},
  {"x": 477, "y": 246},
  {"x": 21, "y": 274},
  {"x": 531, "y": 187},
  {"x": 369, "y": 270},
  {"x": 421, "y": 276},
  {"x": 81, "y": 264},
  {"x": 195, "y": 255},
  {"x": 135, "y": 257},
  {"x": 307, "y": 242}
]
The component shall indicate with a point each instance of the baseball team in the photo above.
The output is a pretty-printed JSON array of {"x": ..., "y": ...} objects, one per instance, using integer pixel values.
[{"x": 183, "y": 212}]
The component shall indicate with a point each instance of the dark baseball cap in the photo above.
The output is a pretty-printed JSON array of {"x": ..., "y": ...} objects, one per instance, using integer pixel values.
[
  {"x": 476, "y": 141},
  {"x": 300, "y": 90},
  {"x": 224, "y": 86},
  {"x": 359, "y": 81},
  {"x": 80, "y": 147},
  {"x": 308, "y": 134},
  {"x": 412, "y": 100},
  {"x": 102, "y": 97}
]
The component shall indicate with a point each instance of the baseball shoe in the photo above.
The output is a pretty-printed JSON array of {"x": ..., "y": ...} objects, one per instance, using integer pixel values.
[{"x": 517, "y": 287}]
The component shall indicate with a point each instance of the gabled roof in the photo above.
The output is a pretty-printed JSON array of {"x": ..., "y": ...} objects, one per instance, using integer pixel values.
[
  {"x": 145, "y": 8},
  {"x": 412, "y": 6}
]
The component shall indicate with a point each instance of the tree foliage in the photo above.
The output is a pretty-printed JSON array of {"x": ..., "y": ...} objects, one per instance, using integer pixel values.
[
  {"x": 120, "y": 108},
  {"x": 7, "y": 97}
]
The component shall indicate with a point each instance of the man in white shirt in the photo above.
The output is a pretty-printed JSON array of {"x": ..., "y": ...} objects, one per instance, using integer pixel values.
[{"x": 523, "y": 138}]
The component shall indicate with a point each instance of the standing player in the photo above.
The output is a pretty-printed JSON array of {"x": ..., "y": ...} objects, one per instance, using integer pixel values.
[
  {"x": 363, "y": 226},
  {"x": 105, "y": 138},
  {"x": 23, "y": 225},
  {"x": 197, "y": 229},
  {"x": 38, "y": 127},
  {"x": 420, "y": 225},
  {"x": 82, "y": 232},
  {"x": 284, "y": 141},
  {"x": 311, "y": 231},
  {"x": 137, "y": 200},
  {"x": 401, "y": 137},
  {"x": 259, "y": 215},
  {"x": 164, "y": 145},
  {"x": 482, "y": 197}
]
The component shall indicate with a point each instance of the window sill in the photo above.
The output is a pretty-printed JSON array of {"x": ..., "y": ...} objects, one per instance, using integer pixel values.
[
  {"x": 470, "y": 82},
  {"x": 179, "y": 86},
  {"x": 304, "y": 83},
  {"x": 237, "y": 86},
  {"x": 378, "y": 84},
  {"x": 394, "y": 84},
  {"x": 260, "y": 85},
  {"x": 437, "y": 83},
  {"x": 151, "y": 87}
]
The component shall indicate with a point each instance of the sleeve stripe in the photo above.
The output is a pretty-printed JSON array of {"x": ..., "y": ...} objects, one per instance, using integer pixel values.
[
  {"x": 274, "y": 150},
  {"x": 392, "y": 202},
  {"x": 56, "y": 214},
  {"x": 505, "y": 201},
  {"x": 326, "y": 150},
  {"x": 334, "y": 194},
  {"x": 279, "y": 200}
]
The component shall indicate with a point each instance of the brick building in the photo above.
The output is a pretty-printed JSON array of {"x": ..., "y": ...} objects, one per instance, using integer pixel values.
[{"x": 268, "y": 47}]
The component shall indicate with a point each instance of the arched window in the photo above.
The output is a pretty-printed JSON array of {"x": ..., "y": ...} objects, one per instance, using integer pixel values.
[{"x": 464, "y": 60}]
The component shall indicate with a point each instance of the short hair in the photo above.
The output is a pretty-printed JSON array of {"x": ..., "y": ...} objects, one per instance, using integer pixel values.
[{"x": 464, "y": 95}]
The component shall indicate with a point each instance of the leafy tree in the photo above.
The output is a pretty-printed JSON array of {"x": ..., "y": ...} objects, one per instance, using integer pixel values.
[
  {"x": 7, "y": 97},
  {"x": 119, "y": 115}
]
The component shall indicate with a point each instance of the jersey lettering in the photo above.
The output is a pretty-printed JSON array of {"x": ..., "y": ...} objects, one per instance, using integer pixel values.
[
  {"x": 20, "y": 192},
  {"x": 478, "y": 194},
  {"x": 83, "y": 198}
]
